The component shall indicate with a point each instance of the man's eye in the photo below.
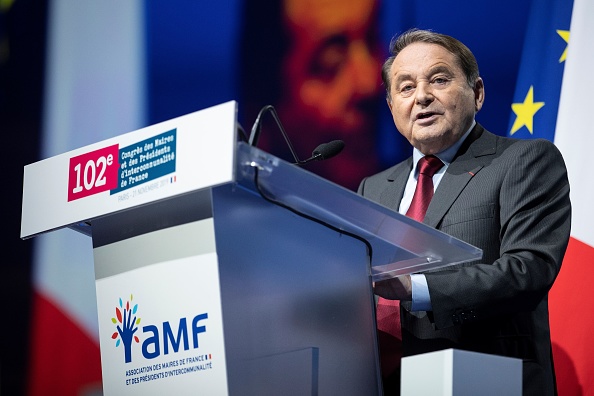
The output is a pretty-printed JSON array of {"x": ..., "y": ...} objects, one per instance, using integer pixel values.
[
  {"x": 440, "y": 80},
  {"x": 406, "y": 88}
]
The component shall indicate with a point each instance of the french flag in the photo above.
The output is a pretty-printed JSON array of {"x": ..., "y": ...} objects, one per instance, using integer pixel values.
[
  {"x": 551, "y": 102},
  {"x": 571, "y": 303}
]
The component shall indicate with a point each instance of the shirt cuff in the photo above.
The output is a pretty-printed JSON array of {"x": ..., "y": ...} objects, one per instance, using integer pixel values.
[{"x": 421, "y": 300}]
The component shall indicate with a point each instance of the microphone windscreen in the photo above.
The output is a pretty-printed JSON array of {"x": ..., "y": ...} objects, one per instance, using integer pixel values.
[{"x": 328, "y": 150}]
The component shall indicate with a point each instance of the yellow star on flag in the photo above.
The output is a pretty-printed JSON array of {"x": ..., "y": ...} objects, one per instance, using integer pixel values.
[
  {"x": 525, "y": 112},
  {"x": 565, "y": 36}
]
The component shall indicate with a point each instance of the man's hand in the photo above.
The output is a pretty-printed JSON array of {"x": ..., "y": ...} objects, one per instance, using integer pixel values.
[{"x": 399, "y": 288}]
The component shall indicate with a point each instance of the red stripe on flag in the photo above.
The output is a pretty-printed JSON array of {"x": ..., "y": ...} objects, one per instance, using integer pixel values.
[
  {"x": 572, "y": 319},
  {"x": 64, "y": 360}
]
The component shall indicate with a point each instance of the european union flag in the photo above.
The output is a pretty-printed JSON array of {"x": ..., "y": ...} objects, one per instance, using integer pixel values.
[{"x": 536, "y": 99}]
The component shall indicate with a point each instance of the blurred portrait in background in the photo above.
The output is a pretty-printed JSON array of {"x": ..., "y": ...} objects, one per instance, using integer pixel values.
[{"x": 317, "y": 62}]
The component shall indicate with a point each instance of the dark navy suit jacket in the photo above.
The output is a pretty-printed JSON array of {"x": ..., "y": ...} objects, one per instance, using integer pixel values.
[{"x": 510, "y": 198}]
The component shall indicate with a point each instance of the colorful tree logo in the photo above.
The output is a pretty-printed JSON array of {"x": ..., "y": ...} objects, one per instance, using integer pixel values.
[{"x": 126, "y": 328}]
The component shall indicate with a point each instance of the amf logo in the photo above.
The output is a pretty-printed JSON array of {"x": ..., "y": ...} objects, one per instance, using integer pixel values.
[{"x": 127, "y": 324}]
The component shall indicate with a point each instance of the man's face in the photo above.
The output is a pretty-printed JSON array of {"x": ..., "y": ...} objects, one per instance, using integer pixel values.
[
  {"x": 431, "y": 102},
  {"x": 331, "y": 71}
]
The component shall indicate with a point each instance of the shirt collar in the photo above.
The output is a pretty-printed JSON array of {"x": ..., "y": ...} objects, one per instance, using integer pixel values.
[{"x": 446, "y": 156}]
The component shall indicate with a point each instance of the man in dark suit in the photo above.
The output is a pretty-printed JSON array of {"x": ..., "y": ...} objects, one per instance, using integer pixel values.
[{"x": 506, "y": 196}]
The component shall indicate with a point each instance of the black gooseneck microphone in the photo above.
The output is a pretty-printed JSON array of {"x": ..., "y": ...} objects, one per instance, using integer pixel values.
[
  {"x": 322, "y": 152},
  {"x": 325, "y": 151}
]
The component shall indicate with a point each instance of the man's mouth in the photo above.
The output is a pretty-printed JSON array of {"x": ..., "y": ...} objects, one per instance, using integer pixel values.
[{"x": 424, "y": 115}]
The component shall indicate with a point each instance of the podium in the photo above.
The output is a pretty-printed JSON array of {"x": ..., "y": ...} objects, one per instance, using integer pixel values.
[{"x": 222, "y": 269}]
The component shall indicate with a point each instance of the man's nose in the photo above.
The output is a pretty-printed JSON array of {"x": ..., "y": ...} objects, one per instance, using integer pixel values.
[{"x": 424, "y": 93}]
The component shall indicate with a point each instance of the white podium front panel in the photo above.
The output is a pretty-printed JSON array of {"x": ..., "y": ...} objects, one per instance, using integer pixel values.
[
  {"x": 160, "y": 315},
  {"x": 184, "y": 154}
]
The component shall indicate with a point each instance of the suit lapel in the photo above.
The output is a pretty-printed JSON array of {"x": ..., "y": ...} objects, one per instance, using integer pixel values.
[
  {"x": 392, "y": 194},
  {"x": 450, "y": 187},
  {"x": 464, "y": 167}
]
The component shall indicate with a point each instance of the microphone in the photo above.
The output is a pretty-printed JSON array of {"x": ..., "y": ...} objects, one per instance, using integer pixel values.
[
  {"x": 242, "y": 136},
  {"x": 322, "y": 152},
  {"x": 325, "y": 151},
  {"x": 257, "y": 128}
]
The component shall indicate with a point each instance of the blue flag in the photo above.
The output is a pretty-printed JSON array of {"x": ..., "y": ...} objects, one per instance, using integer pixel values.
[{"x": 536, "y": 99}]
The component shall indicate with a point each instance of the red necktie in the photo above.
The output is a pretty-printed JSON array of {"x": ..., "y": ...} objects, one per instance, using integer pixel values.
[{"x": 388, "y": 311}]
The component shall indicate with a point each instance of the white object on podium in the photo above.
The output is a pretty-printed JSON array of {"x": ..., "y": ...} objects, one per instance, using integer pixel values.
[{"x": 461, "y": 373}]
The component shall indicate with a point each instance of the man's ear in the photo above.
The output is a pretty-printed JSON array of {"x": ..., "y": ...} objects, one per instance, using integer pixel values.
[
  {"x": 389, "y": 104},
  {"x": 479, "y": 94}
]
